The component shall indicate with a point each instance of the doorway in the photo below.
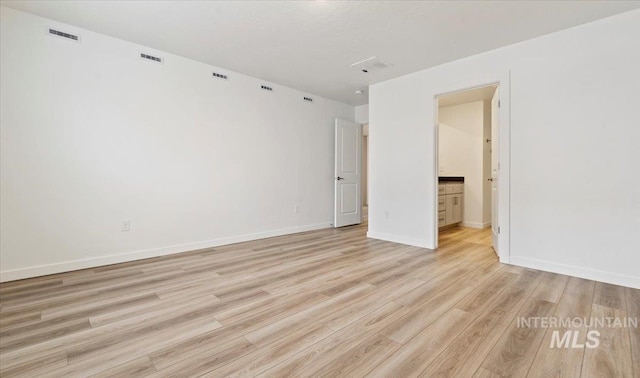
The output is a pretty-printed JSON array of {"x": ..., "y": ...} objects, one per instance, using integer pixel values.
[{"x": 469, "y": 197}]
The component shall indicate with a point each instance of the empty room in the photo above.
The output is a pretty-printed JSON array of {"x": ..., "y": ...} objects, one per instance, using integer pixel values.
[{"x": 319, "y": 188}]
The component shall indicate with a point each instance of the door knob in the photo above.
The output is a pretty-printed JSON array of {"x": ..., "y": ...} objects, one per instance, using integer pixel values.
[
  {"x": 339, "y": 178},
  {"x": 490, "y": 179}
]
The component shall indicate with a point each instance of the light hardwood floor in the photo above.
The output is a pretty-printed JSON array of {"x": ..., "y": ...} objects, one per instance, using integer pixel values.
[{"x": 323, "y": 303}]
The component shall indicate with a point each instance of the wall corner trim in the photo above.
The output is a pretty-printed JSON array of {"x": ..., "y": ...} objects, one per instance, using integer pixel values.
[
  {"x": 576, "y": 271},
  {"x": 476, "y": 224},
  {"x": 422, "y": 243},
  {"x": 68, "y": 266}
]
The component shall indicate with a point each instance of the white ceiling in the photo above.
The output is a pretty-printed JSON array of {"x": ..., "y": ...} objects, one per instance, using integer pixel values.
[
  {"x": 463, "y": 97},
  {"x": 310, "y": 45}
]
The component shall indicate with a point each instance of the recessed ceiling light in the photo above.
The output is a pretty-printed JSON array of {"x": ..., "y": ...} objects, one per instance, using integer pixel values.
[{"x": 359, "y": 91}]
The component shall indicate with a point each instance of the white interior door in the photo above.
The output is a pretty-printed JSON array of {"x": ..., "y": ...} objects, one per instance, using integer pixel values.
[
  {"x": 348, "y": 174},
  {"x": 495, "y": 166}
]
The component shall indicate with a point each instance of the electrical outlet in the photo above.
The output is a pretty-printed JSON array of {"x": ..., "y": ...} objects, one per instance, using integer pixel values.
[
  {"x": 125, "y": 225},
  {"x": 296, "y": 209},
  {"x": 386, "y": 214}
]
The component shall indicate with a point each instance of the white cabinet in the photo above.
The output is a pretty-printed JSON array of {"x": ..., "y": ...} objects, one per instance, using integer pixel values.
[
  {"x": 450, "y": 197},
  {"x": 453, "y": 188},
  {"x": 453, "y": 208},
  {"x": 442, "y": 221}
]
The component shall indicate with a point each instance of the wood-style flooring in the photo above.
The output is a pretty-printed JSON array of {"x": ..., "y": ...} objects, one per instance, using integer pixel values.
[{"x": 325, "y": 303}]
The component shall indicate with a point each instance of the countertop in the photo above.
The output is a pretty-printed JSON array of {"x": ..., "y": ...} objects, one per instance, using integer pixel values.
[{"x": 450, "y": 179}]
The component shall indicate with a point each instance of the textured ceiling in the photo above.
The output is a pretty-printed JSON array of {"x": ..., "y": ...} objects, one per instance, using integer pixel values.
[{"x": 310, "y": 45}]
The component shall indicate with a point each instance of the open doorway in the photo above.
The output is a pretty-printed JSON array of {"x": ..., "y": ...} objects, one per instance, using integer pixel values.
[{"x": 467, "y": 158}]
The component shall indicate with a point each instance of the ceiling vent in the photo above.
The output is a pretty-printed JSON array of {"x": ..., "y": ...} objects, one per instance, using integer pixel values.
[
  {"x": 266, "y": 88},
  {"x": 308, "y": 99},
  {"x": 61, "y": 34},
  {"x": 220, "y": 76},
  {"x": 152, "y": 58},
  {"x": 371, "y": 64}
]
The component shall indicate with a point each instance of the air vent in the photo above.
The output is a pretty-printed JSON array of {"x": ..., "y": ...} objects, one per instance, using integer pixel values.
[
  {"x": 309, "y": 99},
  {"x": 151, "y": 58},
  {"x": 266, "y": 88},
  {"x": 220, "y": 76},
  {"x": 62, "y": 34},
  {"x": 371, "y": 64}
]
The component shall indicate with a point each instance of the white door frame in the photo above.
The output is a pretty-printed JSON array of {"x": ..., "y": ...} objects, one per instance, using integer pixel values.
[{"x": 504, "y": 157}]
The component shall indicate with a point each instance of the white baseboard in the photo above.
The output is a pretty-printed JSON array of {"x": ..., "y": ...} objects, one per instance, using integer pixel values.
[
  {"x": 476, "y": 225},
  {"x": 575, "y": 271},
  {"x": 399, "y": 239},
  {"x": 67, "y": 266}
]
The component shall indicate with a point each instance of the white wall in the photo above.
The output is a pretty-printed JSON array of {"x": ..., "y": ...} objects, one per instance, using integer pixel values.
[
  {"x": 362, "y": 114},
  {"x": 93, "y": 135},
  {"x": 575, "y": 191},
  {"x": 460, "y": 153}
]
